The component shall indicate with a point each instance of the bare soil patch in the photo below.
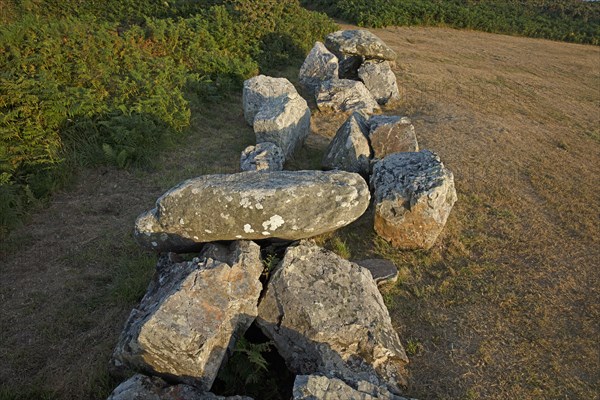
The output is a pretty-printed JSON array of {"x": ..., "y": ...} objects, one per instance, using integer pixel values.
[{"x": 506, "y": 304}]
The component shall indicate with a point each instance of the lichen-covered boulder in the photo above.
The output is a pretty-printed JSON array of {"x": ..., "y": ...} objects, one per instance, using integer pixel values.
[
  {"x": 260, "y": 89},
  {"x": 318, "y": 387},
  {"x": 320, "y": 65},
  {"x": 359, "y": 42},
  {"x": 192, "y": 313},
  {"x": 413, "y": 195},
  {"x": 285, "y": 121},
  {"x": 379, "y": 78},
  {"x": 265, "y": 156},
  {"x": 391, "y": 134},
  {"x": 326, "y": 315},
  {"x": 142, "y": 387},
  {"x": 252, "y": 205},
  {"x": 349, "y": 150},
  {"x": 345, "y": 95}
]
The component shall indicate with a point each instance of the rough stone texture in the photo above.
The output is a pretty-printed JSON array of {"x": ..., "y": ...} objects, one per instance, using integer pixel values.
[
  {"x": 359, "y": 42},
  {"x": 383, "y": 271},
  {"x": 413, "y": 196},
  {"x": 260, "y": 89},
  {"x": 391, "y": 134},
  {"x": 379, "y": 78},
  {"x": 349, "y": 150},
  {"x": 253, "y": 205},
  {"x": 326, "y": 315},
  {"x": 320, "y": 65},
  {"x": 141, "y": 387},
  {"x": 192, "y": 313},
  {"x": 284, "y": 121},
  {"x": 315, "y": 387},
  {"x": 345, "y": 95},
  {"x": 264, "y": 156}
]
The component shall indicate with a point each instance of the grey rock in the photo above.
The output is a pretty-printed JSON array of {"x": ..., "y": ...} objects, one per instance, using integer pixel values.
[
  {"x": 326, "y": 315},
  {"x": 142, "y": 387},
  {"x": 345, "y": 95},
  {"x": 413, "y": 196},
  {"x": 260, "y": 89},
  {"x": 383, "y": 271},
  {"x": 359, "y": 42},
  {"x": 315, "y": 387},
  {"x": 191, "y": 315},
  {"x": 379, "y": 78},
  {"x": 320, "y": 65},
  {"x": 264, "y": 156},
  {"x": 391, "y": 134},
  {"x": 284, "y": 121},
  {"x": 253, "y": 205},
  {"x": 349, "y": 150}
]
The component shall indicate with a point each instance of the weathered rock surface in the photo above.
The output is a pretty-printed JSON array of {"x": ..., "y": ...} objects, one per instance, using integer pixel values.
[
  {"x": 349, "y": 150},
  {"x": 141, "y": 387},
  {"x": 391, "y": 134},
  {"x": 320, "y": 65},
  {"x": 383, "y": 271},
  {"x": 359, "y": 42},
  {"x": 413, "y": 196},
  {"x": 379, "y": 78},
  {"x": 345, "y": 95},
  {"x": 285, "y": 121},
  {"x": 253, "y": 205},
  {"x": 315, "y": 387},
  {"x": 265, "y": 156},
  {"x": 192, "y": 313},
  {"x": 326, "y": 315},
  {"x": 260, "y": 89}
]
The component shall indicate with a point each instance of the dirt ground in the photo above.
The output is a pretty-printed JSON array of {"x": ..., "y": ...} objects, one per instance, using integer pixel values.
[{"x": 506, "y": 304}]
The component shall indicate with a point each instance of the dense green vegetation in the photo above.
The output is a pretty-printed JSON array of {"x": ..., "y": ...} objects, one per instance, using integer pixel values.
[
  {"x": 87, "y": 82},
  {"x": 567, "y": 20}
]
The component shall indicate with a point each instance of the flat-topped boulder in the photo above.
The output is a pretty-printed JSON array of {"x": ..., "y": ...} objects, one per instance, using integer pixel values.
[
  {"x": 390, "y": 134},
  {"x": 326, "y": 316},
  {"x": 359, "y": 42},
  {"x": 252, "y": 205},
  {"x": 260, "y": 89},
  {"x": 265, "y": 156},
  {"x": 191, "y": 315},
  {"x": 285, "y": 121},
  {"x": 318, "y": 387},
  {"x": 378, "y": 77},
  {"x": 413, "y": 194},
  {"x": 345, "y": 95},
  {"x": 320, "y": 65},
  {"x": 349, "y": 150}
]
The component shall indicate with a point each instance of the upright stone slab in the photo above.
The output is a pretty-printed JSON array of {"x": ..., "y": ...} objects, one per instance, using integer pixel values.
[
  {"x": 379, "y": 78},
  {"x": 320, "y": 65},
  {"x": 391, "y": 134},
  {"x": 284, "y": 121},
  {"x": 359, "y": 42},
  {"x": 326, "y": 315},
  {"x": 345, "y": 95},
  {"x": 192, "y": 313},
  {"x": 260, "y": 89},
  {"x": 252, "y": 205},
  {"x": 265, "y": 156},
  {"x": 349, "y": 150},
  {"x": 317, "y": 387},
  {"x": 413, "y": 195}
]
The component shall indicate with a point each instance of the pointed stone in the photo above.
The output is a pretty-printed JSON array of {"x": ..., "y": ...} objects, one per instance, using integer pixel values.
[
  {"x": 320, "y": 65},
  {"x": 349, "y": 150}
]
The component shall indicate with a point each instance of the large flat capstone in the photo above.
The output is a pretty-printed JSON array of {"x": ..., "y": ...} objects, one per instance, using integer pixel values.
[
  {"x": 359, "y": 42},
  {"x": 191, "y": 315},
  {"x": 252, "y": 205},
  {"x": 326, "y": 315}
]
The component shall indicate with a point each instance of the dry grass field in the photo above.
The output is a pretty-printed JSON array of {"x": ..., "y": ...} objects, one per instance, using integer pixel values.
[{"x": 505, "y": 306}]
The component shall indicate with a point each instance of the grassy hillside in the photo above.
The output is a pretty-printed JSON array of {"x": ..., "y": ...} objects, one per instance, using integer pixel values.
[
  {"x": 88, "y": 83},
  {"x": 567, "y": 20}
]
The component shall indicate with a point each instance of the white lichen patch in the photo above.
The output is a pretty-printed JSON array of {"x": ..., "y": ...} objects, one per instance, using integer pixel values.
[
  {"x": 238, "y": 236},
  {"x": 154, "y": 244},
  {"x": 224, "y": 216},
  {"x": 273, "y": 223},
  {"x": 258, "y": 206},
  {"x": 248, "y": 228},
  {"x": 339, "y": 198},
  {"x": 207, "y": 231},
  {"x": 195, "y": 191},
  {"x": 245, "y": 202},
  {"x": 181, "y": 221},
  {"x": 196, "y": 238},
  {"x": 229, "y": 198},
  {"x": 266, "y": 233}
]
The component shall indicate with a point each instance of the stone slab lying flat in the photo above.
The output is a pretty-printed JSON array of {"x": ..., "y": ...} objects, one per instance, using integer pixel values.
[
  {"x": 383, "y": 271},
  {"x": 359, "y": 42},
  {"x": 252, "y": 205},
  {"x": 316, "y": 387}
]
